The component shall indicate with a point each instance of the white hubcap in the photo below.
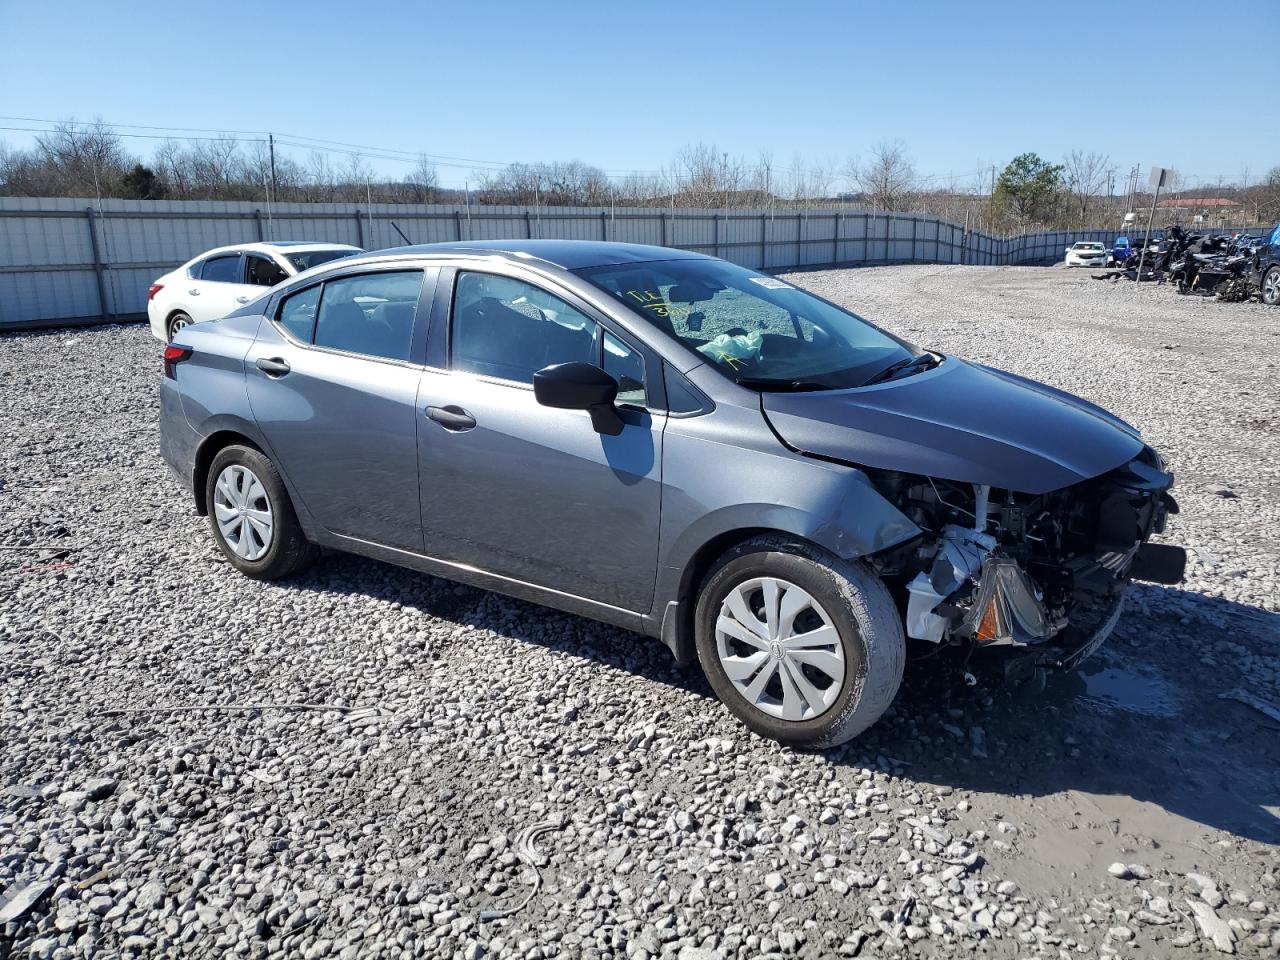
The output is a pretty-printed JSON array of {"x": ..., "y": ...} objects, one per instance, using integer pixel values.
[
  {"x": 243, "y": 512},
  {"x": 779, "y": 649}
]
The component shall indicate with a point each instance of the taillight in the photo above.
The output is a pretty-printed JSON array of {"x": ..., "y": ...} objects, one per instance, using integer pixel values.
[
  {"x": 153, "y": 290},
  {"x": 174, "y": 355}
]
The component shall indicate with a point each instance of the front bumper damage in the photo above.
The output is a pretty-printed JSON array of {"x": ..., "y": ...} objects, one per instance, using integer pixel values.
[{"x": 1040, "y": 578}]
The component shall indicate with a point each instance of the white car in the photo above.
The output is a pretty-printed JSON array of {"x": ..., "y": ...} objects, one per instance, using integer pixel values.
[
  {"x": 1087, "y": 253},
  {"x": 221, "y": 280}
]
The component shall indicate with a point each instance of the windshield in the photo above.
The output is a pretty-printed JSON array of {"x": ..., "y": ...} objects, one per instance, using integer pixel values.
[
  {"x": 1088, "y": 246},
  {"x": 313, "y": 258},
  {"x": 757, "y": 330}
]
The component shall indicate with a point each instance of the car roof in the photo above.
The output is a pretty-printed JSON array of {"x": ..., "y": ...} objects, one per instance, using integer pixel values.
[{"x": 566, "y": 254}]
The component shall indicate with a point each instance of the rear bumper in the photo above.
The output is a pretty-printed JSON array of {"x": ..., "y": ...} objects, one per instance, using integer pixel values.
[
  {"x": 178, "y": 439},
  {"x": 155, "y": 320}
]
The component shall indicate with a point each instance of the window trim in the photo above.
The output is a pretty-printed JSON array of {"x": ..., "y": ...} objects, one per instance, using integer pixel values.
[
  {"x": 420, "y": 318},
  {"x": 570, "y": 300}
]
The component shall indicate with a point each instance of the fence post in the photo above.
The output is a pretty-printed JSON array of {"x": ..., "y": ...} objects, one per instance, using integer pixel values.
[
  {"x": 663, "y": 220},
  {"x": 359, "y": 229},
  {"x": 835, "y": 242},
  {"x": 914, "y": 255},
  {"x": 890, "y": 233},
  {"x": 716, "y": 235},
  {"x": 764, "y": 240},
  {"x": 262, "y": 234},
  {"x": 98, "y": 266},
  {"x": 457, "y": 222},
  {"x": 604, "y": 225},
  {"x": 528, "y": 224},
  {"x": 800, "y": 225}
]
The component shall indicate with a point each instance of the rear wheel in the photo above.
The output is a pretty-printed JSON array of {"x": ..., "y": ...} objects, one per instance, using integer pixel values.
[
  {"x": 1271, "y": 287},
  {"x": 252, "y": 520},
  {"x": 176, "y": 323},
  {"x": 803, "y": 647}
]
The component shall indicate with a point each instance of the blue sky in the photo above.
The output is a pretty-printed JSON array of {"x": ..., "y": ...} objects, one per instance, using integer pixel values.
[{"x": 625, "y": 85}]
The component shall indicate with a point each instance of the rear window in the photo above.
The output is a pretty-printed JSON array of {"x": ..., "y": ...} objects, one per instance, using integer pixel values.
[{"x": 313, "y": 258}]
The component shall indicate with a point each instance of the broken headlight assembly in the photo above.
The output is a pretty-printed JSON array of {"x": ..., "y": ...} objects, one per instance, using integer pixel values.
[{"x": 998, "y": 568}]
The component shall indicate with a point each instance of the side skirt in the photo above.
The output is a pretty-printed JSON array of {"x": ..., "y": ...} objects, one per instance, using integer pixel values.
[{"x": 475, "y": 577}]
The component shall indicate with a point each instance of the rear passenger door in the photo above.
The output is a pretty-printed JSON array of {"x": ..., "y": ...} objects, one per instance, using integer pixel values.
[
  {"x": 333, "y": 382},
  {"x": 527, "y": 492},
  {"x": 212, "y": 292}
]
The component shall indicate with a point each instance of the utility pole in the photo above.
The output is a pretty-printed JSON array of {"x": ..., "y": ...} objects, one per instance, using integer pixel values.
[{"x": 271, "y": 148}]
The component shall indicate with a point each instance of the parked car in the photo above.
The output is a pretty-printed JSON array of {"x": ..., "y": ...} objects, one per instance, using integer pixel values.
[
  {"x": 1086, "y": 253},
  {"x": 665, "y": 441},
  {"x": 1120, "y": 251},
  {"x": 221, "y": 280},
  {"x": 1265, "y": 273}
]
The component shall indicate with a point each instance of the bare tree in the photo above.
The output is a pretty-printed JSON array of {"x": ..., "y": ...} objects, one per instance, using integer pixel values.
[
  {"x": 1084, "y": 176},
  {"x": 423, "y": 181},
  {"x": 321, "y": 178},
  {"x": 886, "y": 178},
  {"x": 703, "y": 176}
]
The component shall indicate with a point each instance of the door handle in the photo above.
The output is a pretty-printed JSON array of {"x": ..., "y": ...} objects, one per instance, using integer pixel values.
[
  {"x": 194, "y": 291},
  {"x": 273, "y": 366},
  {"x": 242, "y": 299},
  {"x": 452, "y": 418}
]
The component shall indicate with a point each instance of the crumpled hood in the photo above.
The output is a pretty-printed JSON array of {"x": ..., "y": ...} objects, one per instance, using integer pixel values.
[{"x": 959, "y": 421}]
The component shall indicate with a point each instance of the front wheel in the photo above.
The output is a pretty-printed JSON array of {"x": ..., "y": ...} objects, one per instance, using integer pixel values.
[
  {"x": 1271, "y": 287},
  {"x": 803, "y": 647},
  {"x": 251, "y": 517}
]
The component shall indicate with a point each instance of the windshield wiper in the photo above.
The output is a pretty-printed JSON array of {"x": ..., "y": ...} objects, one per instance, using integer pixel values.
[
  {"x": 925, "y": 361},
  {"x": 767, "y": 383}
]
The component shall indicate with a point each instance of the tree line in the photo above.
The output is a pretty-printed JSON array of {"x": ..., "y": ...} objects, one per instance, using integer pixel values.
[{"x": 1029, "y": 192}]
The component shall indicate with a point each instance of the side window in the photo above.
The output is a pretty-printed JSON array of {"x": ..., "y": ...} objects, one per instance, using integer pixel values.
[
  {"x": 298, "y": 313},
  {"x": 224, "y": 269},
  {"x": 506, "y": 328},
  {"x": 370, "y": 314},
  {"x": 627, "y": 367},
  {"x": 262, "y": 271}
]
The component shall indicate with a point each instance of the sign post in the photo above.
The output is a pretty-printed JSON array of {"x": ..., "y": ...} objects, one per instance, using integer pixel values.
[{"x": 1160, "y": 177}]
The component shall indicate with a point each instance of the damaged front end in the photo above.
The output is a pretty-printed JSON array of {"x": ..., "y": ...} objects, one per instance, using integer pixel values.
[{"x": 1041, "y": 575}]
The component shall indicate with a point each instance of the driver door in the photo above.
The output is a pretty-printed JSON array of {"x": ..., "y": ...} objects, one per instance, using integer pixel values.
[{"x": 528, "y": 492}]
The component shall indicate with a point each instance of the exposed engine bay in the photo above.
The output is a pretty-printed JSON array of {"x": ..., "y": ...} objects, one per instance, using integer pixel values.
[{"x": 998, "y": 568}]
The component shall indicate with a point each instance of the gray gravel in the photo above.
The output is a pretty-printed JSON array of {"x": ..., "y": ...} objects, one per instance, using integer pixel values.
[{"x": 1127, "y": 810}]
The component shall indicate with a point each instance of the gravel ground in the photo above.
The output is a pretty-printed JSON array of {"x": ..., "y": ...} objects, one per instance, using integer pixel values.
[{"x": 1128, "y": 809}]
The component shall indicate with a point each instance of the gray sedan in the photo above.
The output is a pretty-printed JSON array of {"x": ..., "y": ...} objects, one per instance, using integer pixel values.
[{"x": 765, "y": 482}]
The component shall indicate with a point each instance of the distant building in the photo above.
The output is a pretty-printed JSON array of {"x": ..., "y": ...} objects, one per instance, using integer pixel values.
[{"x": 1209, "y": 207}]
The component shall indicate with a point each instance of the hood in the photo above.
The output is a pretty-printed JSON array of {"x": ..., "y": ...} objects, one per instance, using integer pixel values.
[{"x": 962, "y": 422}]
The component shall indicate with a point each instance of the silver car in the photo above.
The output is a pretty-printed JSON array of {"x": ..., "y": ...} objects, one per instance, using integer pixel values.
[{"x": 671, "y": 443}]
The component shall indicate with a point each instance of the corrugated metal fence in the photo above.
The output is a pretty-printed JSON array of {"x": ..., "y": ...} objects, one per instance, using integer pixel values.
[{"x": 69, "y": 260}]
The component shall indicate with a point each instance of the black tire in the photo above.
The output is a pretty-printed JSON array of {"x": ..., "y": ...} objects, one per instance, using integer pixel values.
[
  {"x": 289, "y": 551},
  {"x": 177, "y": 321},
  {"x": 859, "y": 606},
  {"x": 1271, "y": 287}
]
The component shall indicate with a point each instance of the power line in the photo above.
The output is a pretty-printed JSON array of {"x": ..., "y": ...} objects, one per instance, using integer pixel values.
[
  {"x": 140, "y": 136},
  {"x": 389, "y": 154},
  {"x": 395, "y": 155}
]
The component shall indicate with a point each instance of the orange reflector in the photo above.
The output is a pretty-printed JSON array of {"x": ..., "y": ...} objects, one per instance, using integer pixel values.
[{"x": 989, "y": 627}]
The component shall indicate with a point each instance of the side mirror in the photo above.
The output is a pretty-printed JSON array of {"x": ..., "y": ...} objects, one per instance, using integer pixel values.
[{"x": 580, "y": 386}]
